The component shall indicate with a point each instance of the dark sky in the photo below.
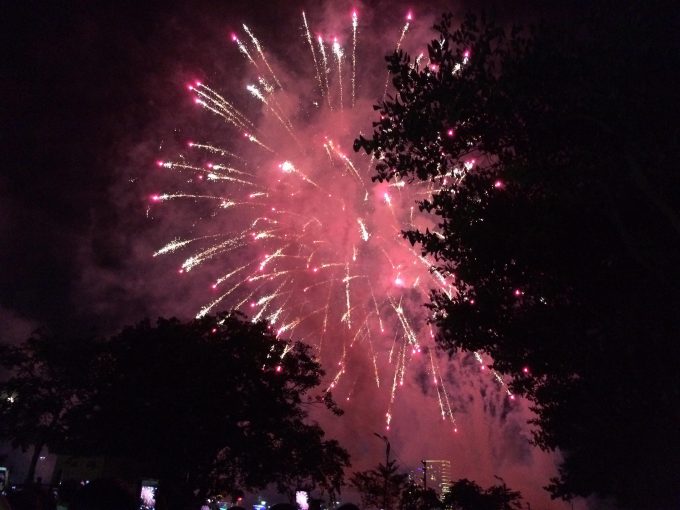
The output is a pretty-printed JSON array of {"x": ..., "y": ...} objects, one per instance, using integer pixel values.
[
  {"x": 76, "y": 87},
  {"x": 68, "y": 89}
]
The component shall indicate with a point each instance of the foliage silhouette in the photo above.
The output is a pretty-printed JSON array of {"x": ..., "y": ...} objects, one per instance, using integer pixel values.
[
  {"x": 415, "y": 497},
  {"x": 208, "y": 405},
  {"x": 563, "y": 235},
  {"x": 42, "y": 386},
  {"x": 464, "y": 494},
  {"x": 380, "y": 487}
]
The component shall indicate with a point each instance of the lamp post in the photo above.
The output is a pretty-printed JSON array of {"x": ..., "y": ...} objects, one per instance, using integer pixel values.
[{"x": 387, "y": 464}]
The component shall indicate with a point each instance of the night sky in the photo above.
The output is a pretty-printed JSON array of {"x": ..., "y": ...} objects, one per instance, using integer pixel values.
[{"x": 92, "y": 96}]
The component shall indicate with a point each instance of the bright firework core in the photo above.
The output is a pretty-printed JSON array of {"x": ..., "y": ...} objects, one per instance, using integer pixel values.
[{"x": 299, "y": 235}]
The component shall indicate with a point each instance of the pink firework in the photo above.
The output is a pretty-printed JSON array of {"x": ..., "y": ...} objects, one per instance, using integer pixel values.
[{"x": 299, "y": 236}]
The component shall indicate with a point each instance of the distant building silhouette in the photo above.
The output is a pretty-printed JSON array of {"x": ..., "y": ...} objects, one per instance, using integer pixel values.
[{"x": 438, "y": 473}]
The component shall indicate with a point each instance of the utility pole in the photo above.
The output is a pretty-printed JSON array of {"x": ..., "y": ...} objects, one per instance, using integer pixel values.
[{"x": 424, "y": 463}]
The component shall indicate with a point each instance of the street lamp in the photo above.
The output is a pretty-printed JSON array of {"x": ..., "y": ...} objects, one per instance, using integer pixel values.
[
  {"x": 387, "y": 447},
  {"x": 387, "y": 464}
]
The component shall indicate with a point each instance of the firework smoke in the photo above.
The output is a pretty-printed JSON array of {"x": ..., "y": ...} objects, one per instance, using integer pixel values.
[
  {"x": 284, "y": 221},
  {"x": 327, "y": 259}
]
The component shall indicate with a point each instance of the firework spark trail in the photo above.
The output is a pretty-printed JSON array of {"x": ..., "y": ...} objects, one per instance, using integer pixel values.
[
  {"x": 405, "y": 28},
  {"x": 402, "y": 372},
  {"x": 449, "y": 409},
  {"x": 311, "y": 47},
  {"x": 346, "y": 280},
  {"x": 332, "y": 149},
  {"x": 351, "y": 391},
  {"x": 215, "y": 150},
  {"x": 175, "y": 245},
  {"x": 397, "y": 380},
  {"x": 243, "y": 49},
  {"x": 310, "y": 257},
  {"x": 364, "y": 232},
  {"x": 258, "y": 94},
  {"x": 341, "y": 364},
  {"x": 227, "y": 276},
  {"x": 355, "y": 24},
  {"x": 377, "y": 310},
  {"x": 269, "y": 89},
  {"x": 446, "y": 409},
  {"x": 259, "y": 50},
  {"x": 267, "y": 300},
  {"x": 494, "y": 373},
  {"x": 207, "y": 308},
  {"x": 212, "y": 176},
  {"x": 209, "y": 253},
  {"x": 172, "y": 196},
  {"x": 337, "y": 51},
  {"x": 409, "y": 16},
  {"x": 212, "y": 171},
  {"x": 288, "y": 167},
  {"x": 225, "y": 115},
  {"x": 388, "y": 414},
  {"x": 221, "y": 103},
  {"x": 394, "y": 343},
  {"x": 228, "y": 169},
  {"x": 436, "y": 385},
  {"x": 440, "y": 281},
  {"x": 324, "y": 326},
  {"x": 408, "y": 331},
  {"x": 324, "y": 61},
  {"x": 373, "y": 357},
  {"x": 252, "y": 138},
  {"x": 360, "y": 334},
  {"x": 180, "y": 243}
]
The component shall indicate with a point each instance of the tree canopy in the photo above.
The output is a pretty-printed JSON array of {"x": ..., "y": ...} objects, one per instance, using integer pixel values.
[
  {"x": 464, "y": 494},
  {"x": 553, "y": 151},
  {"x": 212, "y": 404},
  {"x": 381, "y": 487},
  {"x": 415, "y": 497},
  {"x": 385, "y": 487},
  {"x": 42, "y": 388}
]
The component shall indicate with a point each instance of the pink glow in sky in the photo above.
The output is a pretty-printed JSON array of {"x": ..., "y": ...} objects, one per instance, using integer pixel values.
[{"x": 269, "y": 209}]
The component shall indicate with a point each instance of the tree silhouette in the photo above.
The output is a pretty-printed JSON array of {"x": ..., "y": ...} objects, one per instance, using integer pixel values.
[
  {"x": 558, "y": 221},
  {"x": 380, "y": 487},
  {"x": 44, "y": 382},
  {"x": 205, "y": 406},
  {"x": 464, "y": 494},
  {"x": 415, "y": 497}
]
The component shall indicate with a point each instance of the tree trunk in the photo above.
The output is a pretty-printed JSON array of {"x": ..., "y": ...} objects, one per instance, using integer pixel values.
[{"x": 37, "y": 448}]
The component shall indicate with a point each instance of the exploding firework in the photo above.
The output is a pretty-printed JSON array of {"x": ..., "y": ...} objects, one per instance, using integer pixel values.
[{"x": 311, "y": 244}]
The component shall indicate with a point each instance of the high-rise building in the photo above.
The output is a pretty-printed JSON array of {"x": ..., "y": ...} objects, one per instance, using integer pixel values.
[{"x": 438, "y": 475}]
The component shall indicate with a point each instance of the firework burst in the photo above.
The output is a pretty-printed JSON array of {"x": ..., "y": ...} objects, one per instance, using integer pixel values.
[{"x": 312, "y": 246}]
